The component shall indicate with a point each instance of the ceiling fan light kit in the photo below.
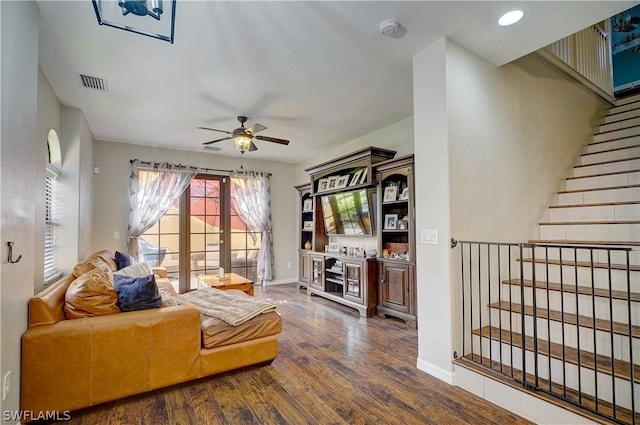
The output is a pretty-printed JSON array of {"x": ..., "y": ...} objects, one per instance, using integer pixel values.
[
  {"x": 243, "y": 137},
  {"x": 129, "y": 15}
]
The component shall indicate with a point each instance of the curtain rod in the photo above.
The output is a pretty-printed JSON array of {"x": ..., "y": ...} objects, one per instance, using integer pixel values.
[{"x": 150, "y": 164}]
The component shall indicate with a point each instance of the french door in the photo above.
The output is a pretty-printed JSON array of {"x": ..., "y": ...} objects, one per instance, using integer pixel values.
[{"x": 203, "y": 233}]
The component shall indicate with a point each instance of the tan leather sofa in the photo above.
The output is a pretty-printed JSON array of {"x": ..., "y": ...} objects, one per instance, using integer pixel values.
[{"x": 71, "y": 364}]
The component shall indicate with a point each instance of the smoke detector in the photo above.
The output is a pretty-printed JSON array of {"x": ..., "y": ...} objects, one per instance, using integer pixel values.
[{"x": 389, "y": 27}]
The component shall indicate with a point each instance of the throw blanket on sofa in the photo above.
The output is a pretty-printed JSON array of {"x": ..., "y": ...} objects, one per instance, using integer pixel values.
[{"x": 232, "y": 308}]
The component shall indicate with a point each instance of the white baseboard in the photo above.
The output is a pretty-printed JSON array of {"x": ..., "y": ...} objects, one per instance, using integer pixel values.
[
  {"x": 433, "y": 370},
  {"x": 278, "y": 282}
]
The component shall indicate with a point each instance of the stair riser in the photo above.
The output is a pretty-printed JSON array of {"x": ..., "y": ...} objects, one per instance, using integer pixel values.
[
  {"x": 623, "y": 179},
  {"x": 568, "y": 376},
  {"x": 616, "y": 134},
  {"x": 596, "y": 213},
  {"x": 627, "y": 194},
  {"x": 631, "y": 113},
  {"x": 595, "y": 232},
  {"x": 613, "y": 144},
  {"x": 600, "y": 276},
  {"x": 570, "y": 334},
  {"x": 584, "y": 304},
  {"x": 614, "y": 167},
  {"x": 625, "y": 104},
  {"x": 633, "y": 121},
  {"x": 630, "y": 152},
  {"x": 614, "y": 256}
]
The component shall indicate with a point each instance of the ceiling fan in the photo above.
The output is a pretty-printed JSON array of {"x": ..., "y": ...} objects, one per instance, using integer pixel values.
[{"x": 243, "y": 137}]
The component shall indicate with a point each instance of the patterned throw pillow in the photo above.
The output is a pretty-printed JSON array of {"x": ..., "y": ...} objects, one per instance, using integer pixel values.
[{"x": 137, "y": 293}]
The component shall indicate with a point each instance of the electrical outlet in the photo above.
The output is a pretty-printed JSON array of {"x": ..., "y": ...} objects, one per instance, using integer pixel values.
[
  {"x": 116, "y": 235},
  {"x": 6, "y": 385},
  {"x": 288, "y": 264}
]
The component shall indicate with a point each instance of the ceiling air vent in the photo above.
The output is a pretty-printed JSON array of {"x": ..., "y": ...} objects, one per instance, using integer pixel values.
[{"x": 91, "y": 82}]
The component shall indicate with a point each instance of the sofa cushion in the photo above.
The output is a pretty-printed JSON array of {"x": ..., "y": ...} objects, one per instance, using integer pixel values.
[
  {"x": 123, "y": 259},
  {"x": 137, "y": 293},
  {"x": 91, "y": 294},
  {"x": 141, "y": 269}
]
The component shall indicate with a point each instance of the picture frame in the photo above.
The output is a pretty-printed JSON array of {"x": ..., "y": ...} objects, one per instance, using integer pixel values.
[
  {"x": 390, "y": 221},
  {"x": 390, "y": 194},
  {"x": 355, "y": 179},
  {"x": 307, "y": 225},
  {"x": 404, "y": 196},
  {"x": 332, "y": 182},
  {"x": 307, "y": 205},
  {"x": 333, "y": 247},
  {"x": 342, "y": 182},
  {"x": 323, "y": 184}
]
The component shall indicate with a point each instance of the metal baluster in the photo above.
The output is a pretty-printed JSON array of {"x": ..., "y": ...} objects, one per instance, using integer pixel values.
[
  {"x": 611, "y": 334},
  {"x": 575, "y": 270},
  {"x": 593, "y": 317},
  {"x": 524, "y": 354},
  {"x": 632, "y": 380},
  {"x": 480, "y": 303},
  {"x": 535, "y": 318},
  {"x": 564, "y": 346},
  {"x": 464, "y": 328},
  {"x": 546, "y": 253},
  {"x": 489, "y": 300},
  {"x": 500, "y": 300},
  {"x": 510, "y": 312},
  {"x": 471, "y": 300}
]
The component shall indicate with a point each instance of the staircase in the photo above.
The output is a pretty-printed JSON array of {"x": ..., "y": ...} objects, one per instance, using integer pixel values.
[{"x": 560, "y": 315}]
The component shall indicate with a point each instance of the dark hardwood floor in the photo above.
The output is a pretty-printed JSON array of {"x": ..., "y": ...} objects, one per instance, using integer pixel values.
[{"x": 333, "y": 368}]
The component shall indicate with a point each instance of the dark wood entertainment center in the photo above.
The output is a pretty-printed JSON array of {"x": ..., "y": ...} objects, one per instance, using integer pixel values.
[{"x": 381, "y": 282}]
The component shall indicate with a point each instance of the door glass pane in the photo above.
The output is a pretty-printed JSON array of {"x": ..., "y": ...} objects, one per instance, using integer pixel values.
[
  {"x": 160, "y": 244},
  {"x": 205, "y": 228},
  {"x": 245, "y": 243}
]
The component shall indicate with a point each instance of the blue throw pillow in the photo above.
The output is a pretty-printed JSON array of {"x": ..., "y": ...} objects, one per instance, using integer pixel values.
[
  {"x": 123, "y": 260},
  {"x": 137, "y": 293}
]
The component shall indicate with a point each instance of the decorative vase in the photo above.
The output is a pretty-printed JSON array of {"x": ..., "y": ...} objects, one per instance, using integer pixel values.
[{"x": 307, "y": 245}]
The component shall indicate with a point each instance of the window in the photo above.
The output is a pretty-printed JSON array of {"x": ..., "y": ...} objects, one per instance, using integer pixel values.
[{"x": 51, "y": 271}]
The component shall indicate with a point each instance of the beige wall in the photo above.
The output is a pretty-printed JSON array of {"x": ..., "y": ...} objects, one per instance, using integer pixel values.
[
  {"x": 492, "y": 144},
  {"x": 21, "y": 181},
  {"x": 397, "y": 137},
  {"x": 111, "y": 202}
]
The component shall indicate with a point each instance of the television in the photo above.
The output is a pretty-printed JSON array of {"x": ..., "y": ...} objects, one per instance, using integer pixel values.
[{"x": 349, "y": 213}]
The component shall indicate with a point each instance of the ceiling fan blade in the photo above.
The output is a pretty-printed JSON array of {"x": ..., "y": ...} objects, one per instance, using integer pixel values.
[
  {"x": 217, "y": 140},
  {"x": 253, "y": 147},
  {"x": 214, "y": 129},
  {"x": 256, "y": 128},
  {"x": 273, "y": 139}
]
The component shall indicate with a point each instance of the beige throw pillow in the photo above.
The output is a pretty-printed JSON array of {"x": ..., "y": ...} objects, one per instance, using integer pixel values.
[{"x": 135, "y": 270}]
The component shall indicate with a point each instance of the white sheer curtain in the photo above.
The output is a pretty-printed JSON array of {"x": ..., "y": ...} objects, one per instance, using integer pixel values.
[
  {"x": 152, "y": 191},
  {"x": 252, "y": 191}
]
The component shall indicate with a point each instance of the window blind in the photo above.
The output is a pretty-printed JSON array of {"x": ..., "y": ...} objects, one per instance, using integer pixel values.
[{"x": 50, "y": 270}]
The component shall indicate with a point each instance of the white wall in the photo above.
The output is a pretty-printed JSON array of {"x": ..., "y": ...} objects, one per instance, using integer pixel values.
[
  {"x": 21, "y": 173},
  {"x": 111, "y": 188},
  {"x": 492, "y": 145},
  {"x": 75, "y": 185}
]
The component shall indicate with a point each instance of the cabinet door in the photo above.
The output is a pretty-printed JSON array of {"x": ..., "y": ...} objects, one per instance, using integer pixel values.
[
  {"x": 304, "y": 268},
  {"x": 353, "y": 288},
  {"x": 395, "y": 289},
  {"x": 317, "y": 272}
]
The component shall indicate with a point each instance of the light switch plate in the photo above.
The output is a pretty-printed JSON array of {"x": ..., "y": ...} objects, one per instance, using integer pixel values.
[{"x": 429, "y": 236}]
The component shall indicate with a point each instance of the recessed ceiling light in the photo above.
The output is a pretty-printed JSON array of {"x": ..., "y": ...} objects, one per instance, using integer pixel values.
[{"x": 510, "y": 18}]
